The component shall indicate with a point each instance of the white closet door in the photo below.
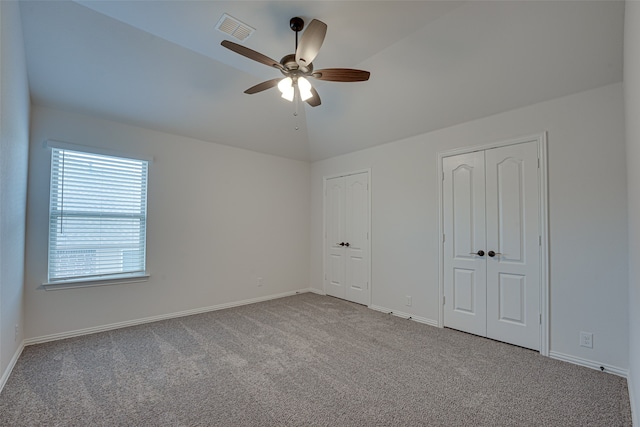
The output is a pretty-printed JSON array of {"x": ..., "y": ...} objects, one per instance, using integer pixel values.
[
  {"x": 491, "y": 204},
  {"x": 464, "y": 225},
  {"x": 335, "y": 238},
  {"x": 347, "y": 238},
  {"x": 513, "y": 274},
  {"x": 357, "y": 241}
]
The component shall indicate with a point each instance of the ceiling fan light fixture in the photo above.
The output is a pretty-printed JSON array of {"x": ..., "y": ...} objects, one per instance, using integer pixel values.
[
  {"x": 305, "y": 88},
  {"x": 286, "y": 87}
]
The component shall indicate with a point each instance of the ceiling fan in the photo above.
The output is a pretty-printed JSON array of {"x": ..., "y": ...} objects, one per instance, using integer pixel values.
[{"x": 296, "y": 67}]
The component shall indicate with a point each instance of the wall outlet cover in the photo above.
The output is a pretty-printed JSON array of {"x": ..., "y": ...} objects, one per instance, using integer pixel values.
[{"x": 586, "y": 339}]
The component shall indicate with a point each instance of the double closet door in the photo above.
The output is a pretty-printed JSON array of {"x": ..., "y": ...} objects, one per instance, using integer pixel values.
[
  {"x": 492, "y": 243},
  {"x": 346, "y": 245}
]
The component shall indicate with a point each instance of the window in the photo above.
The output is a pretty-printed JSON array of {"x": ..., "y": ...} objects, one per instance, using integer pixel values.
[{"x": 97, "y": 217}]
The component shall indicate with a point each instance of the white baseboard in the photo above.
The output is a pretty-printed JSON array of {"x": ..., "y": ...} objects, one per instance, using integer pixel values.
[
  {"x": 589, "y": 363},
  {"x": 418, "y": 319},
  {"x": 316, "y": 291},
  {"x": 118, "y": 325},
  {"x": 12, "y": 364}
]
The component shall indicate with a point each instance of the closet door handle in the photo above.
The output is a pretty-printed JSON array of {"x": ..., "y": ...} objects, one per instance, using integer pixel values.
[
  {"x": 347, "y": 244},
  {"x": 479, "y": 253},
  {"x": 340, "y": 244},
  {"x": 492, "y": 253}
]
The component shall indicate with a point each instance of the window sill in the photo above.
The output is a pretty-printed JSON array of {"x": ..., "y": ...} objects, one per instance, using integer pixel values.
[{"x": 90, "y": 283}]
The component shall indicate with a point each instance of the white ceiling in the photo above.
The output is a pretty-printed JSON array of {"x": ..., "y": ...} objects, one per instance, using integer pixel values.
[{"x": 159, "y": 64}]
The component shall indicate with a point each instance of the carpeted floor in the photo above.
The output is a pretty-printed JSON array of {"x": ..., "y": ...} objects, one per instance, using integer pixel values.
[{"x": 302, "y": 360}]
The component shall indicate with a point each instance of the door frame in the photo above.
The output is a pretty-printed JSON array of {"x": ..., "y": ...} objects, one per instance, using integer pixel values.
[
  {"x": 324, "y": 227},
  {"x": 543, "y": 226}
]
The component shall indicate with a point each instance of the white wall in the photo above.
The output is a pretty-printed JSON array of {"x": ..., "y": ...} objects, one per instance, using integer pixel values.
[
  {"x": 587, "y": 221},
  {"x": 218, "y": 218},
  {"x": 632, "y": 110},
  {"x": 14, "y": 143}
]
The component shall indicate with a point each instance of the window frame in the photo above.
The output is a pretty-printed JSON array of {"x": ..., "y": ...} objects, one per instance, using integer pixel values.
[{"x": 105, "y": 279}]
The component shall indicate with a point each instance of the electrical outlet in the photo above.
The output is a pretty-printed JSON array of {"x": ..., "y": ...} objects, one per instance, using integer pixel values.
[
  {"x": 586, "y": 339},
  {"x": 408, "y": 301},
  {"x": 259, "y": 281}
]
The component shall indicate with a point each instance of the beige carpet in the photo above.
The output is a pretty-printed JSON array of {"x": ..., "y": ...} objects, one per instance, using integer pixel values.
[{"x": 302, "y": 360}]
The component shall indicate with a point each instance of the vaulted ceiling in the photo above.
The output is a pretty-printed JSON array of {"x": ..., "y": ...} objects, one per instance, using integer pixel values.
[{"x": 433, "y": 64}]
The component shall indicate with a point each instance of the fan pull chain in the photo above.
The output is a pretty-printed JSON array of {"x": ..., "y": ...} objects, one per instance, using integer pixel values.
[{"x": 296, "y": 101}]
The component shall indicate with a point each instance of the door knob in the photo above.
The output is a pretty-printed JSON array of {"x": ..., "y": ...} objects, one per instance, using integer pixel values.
[
  {"x": 347, "y": 244},
  {"x": 479, "y": 253},
  {"x": 341, "y": 244},
  {"x": 492, "y": 253}
]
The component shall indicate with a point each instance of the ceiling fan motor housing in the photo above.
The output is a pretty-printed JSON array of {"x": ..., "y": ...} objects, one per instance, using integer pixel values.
[{"x": 290, "y": 65}]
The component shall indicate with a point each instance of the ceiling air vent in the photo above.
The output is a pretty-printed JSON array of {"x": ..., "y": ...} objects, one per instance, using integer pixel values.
[{"x": 236, "y": 29}]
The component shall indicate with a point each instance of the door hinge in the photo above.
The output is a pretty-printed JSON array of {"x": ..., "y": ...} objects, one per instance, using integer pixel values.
[
  {"x": 538, "y": 162},
  {"x": 443, "y": 175},
  {"x": 539, "y": 240},
  {"x": 443, "y": 299},
  {"x": 540, "y": 318},
  {"x": 443, "y": 238}
]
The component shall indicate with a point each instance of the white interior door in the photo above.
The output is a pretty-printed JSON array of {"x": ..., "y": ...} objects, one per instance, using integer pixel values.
[
  {"x": 357, "y": 238},
  {"x": 335, "y": 214},
  {"x": 492, "y": 247},
  {"x": 464, "y": 269},
  {"x": 513, "y": 274},
  {"x": 347, "y": 238}
]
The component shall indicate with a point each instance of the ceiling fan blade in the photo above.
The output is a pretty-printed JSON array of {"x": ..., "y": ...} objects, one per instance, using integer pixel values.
[
  {"x": 310, "y": 42},
  {"x": 341, "y": 75},
  {"x": 263, "y": 86},
  {"x": 251, "y": 54},
  {"x": 314, "y": 101}
]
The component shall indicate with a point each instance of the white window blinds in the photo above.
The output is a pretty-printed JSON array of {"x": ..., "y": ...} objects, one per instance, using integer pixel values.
[{"x": 97, "y": 216}]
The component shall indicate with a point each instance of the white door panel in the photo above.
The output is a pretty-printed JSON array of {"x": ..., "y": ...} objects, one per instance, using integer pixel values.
[
  {"x": 335, "y": 217},
  {"x": 357, "y": 228},
  {"x": 464, "y": 230},
  {"x": 464, "y": 295},
  {"x": 513, "y": 276},
  {"x": 511, "y": 299}
]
